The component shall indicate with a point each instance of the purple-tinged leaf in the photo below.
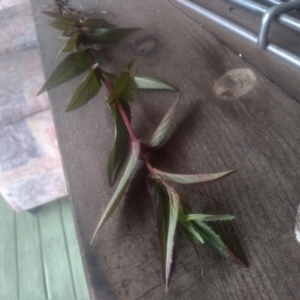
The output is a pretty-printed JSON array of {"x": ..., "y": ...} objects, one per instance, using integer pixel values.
[
  {"x": 174, "y": 199},
  {"x": 120, "y": 148},
  {"x": 167, "y": 205},
  {"x": 88, "y": 88},
  {"x": 122, "y": 186},
  {"x": 189, "y": 179},
  {"x": 161, "y": 133},
  {"x": 151, "y": 83},
  {"x": 72, "y": 66},
  {"x": 210, "y": 237},
  {"x": 109, "y": 35},
  {"x": 161, "y": 199},
  {"x": 207, "y": 218}
]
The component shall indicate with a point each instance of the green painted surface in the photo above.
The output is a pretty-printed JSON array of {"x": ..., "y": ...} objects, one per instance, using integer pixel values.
[
  {"x": 8, "y": 257},
  {"x": 30, "y": 268},
  {"x": 39, "y": 254},
  {"x": 73, "y": 249}
]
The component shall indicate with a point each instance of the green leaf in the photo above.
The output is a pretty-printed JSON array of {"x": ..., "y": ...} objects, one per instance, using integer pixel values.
[
  {"x": 189, "y": 179},
  {"x": 125, "y": 86},
  {"x": 88, "y": 88},
  {"x": 215, "y": 241},
  {"x": 120, "y": 147},
  {"x": 190, "y": 228},
  {"x": 109, "y": 35},
  {"x": 132, "y": 67},
  {"x": 97, "y": 23},
  {"x": 72, "y": 66},
  {"x": 151, "y": 83},
  {"x": 207, "y": 218},
  {"x": 69, "y": 45},
  {"x": 122, "y": 186},
  {"x": 161, "y": 133},
  {"x": 141, "y": 82},
  {"x": 190, "y": 238}
]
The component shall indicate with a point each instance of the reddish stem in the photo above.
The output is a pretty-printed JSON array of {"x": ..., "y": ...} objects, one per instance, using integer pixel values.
[
  {"x": 146, "y": 161},
  {"x": 125, "y": 120},
  {"x": 122, "y": 113}
]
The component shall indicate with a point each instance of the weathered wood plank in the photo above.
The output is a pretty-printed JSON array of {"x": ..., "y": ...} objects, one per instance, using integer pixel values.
[
  {"x": 73, "y": 250},
  {"x": 58, "y": 275},
  {"x": 8, "y": 253},
  {"x": 257, "y": 133},
  {"x": 30, "y": 261},
  {"x": 282, "y": 73}
]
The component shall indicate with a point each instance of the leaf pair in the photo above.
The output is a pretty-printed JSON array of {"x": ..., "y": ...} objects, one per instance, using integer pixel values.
[
  {"x": 195, "y": 230},
  {"x": 168, "y": 204},
  {"x": 125, "y": 88}
]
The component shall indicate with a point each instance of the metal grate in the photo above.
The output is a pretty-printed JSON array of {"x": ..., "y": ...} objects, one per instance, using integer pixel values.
[{"x": 277, "y": 10}]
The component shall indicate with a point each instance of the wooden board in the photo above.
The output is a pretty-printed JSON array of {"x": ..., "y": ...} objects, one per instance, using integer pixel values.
[
  {"x": 73, "y": 252},
  {"x": 55, "y": 255},
  {"x": 39, "y": 254},
  {"x": 257, "y": 133},
  {"x": 281, "y": 72},
  {"x": 30, "y": 260}
]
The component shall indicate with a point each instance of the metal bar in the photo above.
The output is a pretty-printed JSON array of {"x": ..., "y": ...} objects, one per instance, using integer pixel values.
[
  {"x": 270, "y": 15},
  {"x": 276, "y": 1},
  {"x": 259, "y": 8},
  {"x": 248, "y": 35}
]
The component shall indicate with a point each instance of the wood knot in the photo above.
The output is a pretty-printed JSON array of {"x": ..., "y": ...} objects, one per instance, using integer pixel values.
[
  {"x": 234, "y": 84},
  {"x": 147, "y": 45}
]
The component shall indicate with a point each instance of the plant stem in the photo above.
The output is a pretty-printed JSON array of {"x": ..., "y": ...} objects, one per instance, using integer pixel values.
[
  {"x": 144, "y": 158},
  {"x": 125, "y": 120},
  {"x": 120, "y": 108}
]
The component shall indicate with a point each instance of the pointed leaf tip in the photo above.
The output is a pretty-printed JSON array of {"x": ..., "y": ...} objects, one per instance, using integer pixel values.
[
  {"x": 190, "y": 178},
  {"x": 161, "y": 133},
  {"x": 88, "y": 88},
  {"x": 151, "y": 83},
  {"x": 122, "y": 186},
  {"x": 173, "y": 217},
  {"x": 73, "y": 65},
  {"x": 120, "y": 148}
]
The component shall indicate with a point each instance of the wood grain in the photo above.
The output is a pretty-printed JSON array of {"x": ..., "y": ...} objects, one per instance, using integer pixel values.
[
  {"x": 55, "y": 255},
  {"x": 258, "y": 134},
  {"x": 30, "y": 262},
  {"x": 8, "y": 253}
]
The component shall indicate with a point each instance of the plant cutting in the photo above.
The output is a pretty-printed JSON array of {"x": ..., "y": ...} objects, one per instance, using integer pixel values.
[{"x": 85, "y": 37}]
